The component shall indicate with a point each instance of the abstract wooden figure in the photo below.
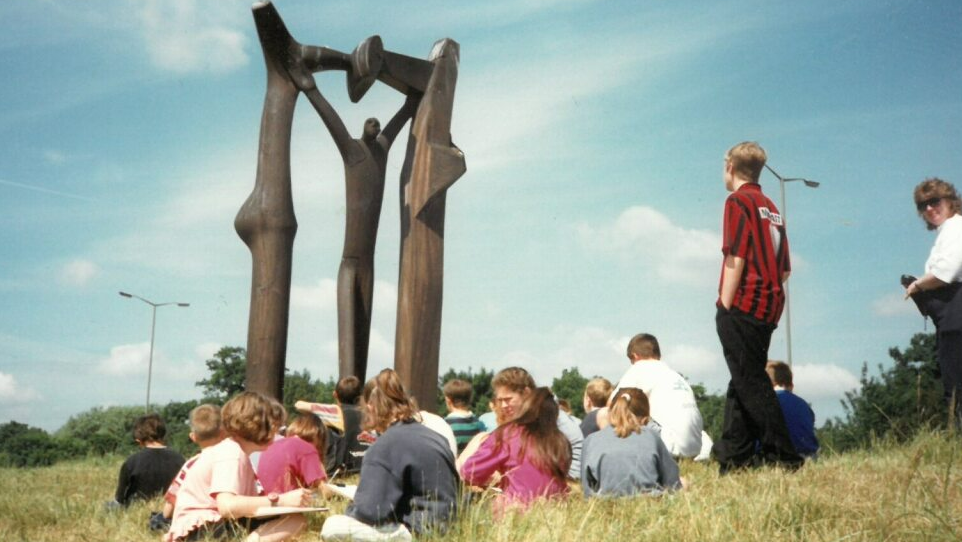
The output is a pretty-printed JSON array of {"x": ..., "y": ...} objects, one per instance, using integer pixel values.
[{"x": 432, "y": 164}]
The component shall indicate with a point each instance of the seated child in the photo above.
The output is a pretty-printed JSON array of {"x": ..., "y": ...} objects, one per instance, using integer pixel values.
[
  {"x": 799, "y": 416},
  {"x": 408, "y": 479},
  {"x": 531, "y": 455},
  {"x": 205, "y": 431},
  {"x": 596, "y": 397},
  {"x": 489, "y": 418},
  {"x": 457, "y": 397},
  {"x": 627, "y": 457},
  {"x": 295, "y": 461},
  {"x": 345, "y": 451},
  {"x": 148, "y": 472},
  {"x": 220, "y": 489}
]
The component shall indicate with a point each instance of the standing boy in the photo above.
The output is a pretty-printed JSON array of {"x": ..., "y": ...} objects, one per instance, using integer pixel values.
[{"x": 750, "y": 302}]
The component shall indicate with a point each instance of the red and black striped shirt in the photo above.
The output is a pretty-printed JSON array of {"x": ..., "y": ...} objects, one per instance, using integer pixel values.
[{"x": 753, "y": 229}]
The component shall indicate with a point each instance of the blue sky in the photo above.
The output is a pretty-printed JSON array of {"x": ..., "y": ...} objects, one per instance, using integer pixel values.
[{"x": 591, "y": 210}]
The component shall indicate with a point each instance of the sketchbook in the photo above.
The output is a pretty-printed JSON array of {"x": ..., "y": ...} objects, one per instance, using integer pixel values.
[{"x": 268, "y": 511}]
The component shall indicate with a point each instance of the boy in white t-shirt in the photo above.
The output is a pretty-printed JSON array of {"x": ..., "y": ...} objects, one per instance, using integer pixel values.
[{"x": 672, "y": 400}]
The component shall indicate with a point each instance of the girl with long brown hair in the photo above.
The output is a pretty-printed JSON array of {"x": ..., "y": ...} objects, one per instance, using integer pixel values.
[
  {"x": 627, "y": 457},
  {"x": 529, "y": 453},
  {"x": 408, "y": 479}
]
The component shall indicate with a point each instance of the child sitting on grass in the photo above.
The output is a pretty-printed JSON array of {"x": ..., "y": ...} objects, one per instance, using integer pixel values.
[
  {"x": 408, "y": 479},
  {"x": 220, "y": 490},
  {"x": 627, "y": 457},
  {"x": 148, "y": 472},
  {"x": 528, "y": 456},
  {"x": 295, "y": 461},
  {"x": 457, "y": 398},
  {"x": 205, "y": 431}
]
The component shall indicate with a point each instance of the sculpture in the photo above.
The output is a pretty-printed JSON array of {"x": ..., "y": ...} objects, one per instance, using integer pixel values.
[{"x": 267, "y": 224}]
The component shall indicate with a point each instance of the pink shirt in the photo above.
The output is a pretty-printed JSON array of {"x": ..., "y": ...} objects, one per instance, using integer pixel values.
[
  {"x": 521, "y": 482},
  {"x": 290, "y": 463},
  {"x": 221, "y": 468}
]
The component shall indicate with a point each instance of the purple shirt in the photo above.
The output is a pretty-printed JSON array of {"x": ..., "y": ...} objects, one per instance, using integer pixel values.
[
  {"x": 521, "y": 482},
  {"x": 288, "y": 464}
]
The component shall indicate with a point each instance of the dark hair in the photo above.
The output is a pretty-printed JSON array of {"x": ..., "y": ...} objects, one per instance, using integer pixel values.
[
  {"x": 386, "y": 402},
  {"x": 780, "y": 373},
  {"x": 645, "y": 346},
  {"x": 459, "y": 392},
  {"x": 937, "y": 188},
  {"x": 541, "y": 440},
  {"x": 149, "y": 428},
  {"x": 348, "y": 390}
]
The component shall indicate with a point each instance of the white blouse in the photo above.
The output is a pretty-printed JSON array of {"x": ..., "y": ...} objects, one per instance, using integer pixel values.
[{"x": 945, "y": 259}]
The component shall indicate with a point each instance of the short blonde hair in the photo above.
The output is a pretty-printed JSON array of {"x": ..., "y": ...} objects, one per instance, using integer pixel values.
[
  {"x": 310, "y": 428},
  {"x": 248, "y": 416},
  {"x": 747, "y": 160},
  {"x": 598, "y": 390},
  {"x": 205, "y": 422}
]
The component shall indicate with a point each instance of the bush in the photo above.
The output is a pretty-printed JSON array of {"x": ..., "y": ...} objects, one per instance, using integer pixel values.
[{"x": 24, "y": 446}]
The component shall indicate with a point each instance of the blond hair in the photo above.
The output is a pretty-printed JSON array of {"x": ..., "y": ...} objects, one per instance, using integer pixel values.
[
  {"x": 628, "y": 412},
  {"x": 598, "y": 389},
  {"x": 747, "y": 160},
  {"x": 386, "y": 402},
  {"x": 310, "y": 428},
  {"x": 205, "y": 422}
]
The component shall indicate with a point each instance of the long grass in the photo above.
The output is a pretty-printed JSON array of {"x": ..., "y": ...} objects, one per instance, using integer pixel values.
[{"x": 891, "y": 492}]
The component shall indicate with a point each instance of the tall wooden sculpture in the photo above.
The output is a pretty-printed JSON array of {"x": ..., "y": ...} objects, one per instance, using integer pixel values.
[{"x": 432, "y": 164}]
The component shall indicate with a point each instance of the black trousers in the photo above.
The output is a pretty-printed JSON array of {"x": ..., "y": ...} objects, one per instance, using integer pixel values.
[
  {"x": 949, "y": 353},
  {"x": 754, "y": 423}
]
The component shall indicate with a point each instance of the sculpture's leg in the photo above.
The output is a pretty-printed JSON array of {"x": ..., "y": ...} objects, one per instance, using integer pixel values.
[
  {"x": 266, "y": 221},
  {"x": 432, "y": 165},
  {"x": 355, "y": 292}
]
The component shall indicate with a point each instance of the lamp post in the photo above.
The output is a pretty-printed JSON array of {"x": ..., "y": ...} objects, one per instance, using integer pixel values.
[
  {"x": 784, "y": 206},
  {"x": 153, "y": 325}
]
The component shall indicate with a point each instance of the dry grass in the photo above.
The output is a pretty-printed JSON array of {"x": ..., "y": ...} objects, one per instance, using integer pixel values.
[{"x": 910, "y": 492}]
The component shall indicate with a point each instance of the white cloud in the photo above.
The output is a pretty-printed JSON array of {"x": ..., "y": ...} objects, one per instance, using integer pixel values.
[
  {"x": 893, "y": 305},
  {"x": 698, "y": 364},
  {"x": 126, "y": 359},
  {"x": 54, "y": 157},
  {"x": 184, "y": 36},
  {"x": 206, "y": 351},
  {"x": 679, "y": 255},
  {"x": 78, "y": 272},
  {"x": 322, "y": 296},
  {"x": 815, "y": 382},
  {"x": 11, "y": 392}
]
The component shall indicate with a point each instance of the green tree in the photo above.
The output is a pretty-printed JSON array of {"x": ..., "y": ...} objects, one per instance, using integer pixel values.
[
  {"x": 106, "y": 430},
  {"x": 25, "y": 446},
  {"x": 227, "y": 368},
  {"x": 480, "y": 385},
  {"x": 896, "y": 404},
  {"x": 712, "y": 408},
  {"x": 300, "y": 386},
  {"x": 570, "y": 386}
]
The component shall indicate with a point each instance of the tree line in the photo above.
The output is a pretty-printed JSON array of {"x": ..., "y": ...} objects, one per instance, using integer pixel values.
[{"x": 905, "y": 397}]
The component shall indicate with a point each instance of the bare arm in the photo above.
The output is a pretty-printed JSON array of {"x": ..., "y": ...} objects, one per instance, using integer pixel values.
[
  {"x": 393, "y": 128},
  {"x": 231, "y": 505},
  {"x": 731, "y": 275},
  {"x": 346, "y": 145},
  {"x": 927, "y": 281}
]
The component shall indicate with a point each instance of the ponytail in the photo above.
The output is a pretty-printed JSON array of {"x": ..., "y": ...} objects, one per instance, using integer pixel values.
[{"x": 628, "y": 412}]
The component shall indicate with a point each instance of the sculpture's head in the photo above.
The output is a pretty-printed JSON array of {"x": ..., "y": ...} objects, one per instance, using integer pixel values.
[{"x": 372, "y": 127}]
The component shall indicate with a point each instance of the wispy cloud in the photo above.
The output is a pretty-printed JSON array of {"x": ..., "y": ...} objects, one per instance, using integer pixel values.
[
  {"x": 43, "y": 190},
  {"x": 54, "y": 157},
  {"x": 893, "y": 305},
  {"x": 78, "y": 272},
  {"x": 13, "y": 393},
  {"x": 184, "y": 36},
  {"x": 126, "y": 359},
  {"x": 678, "y": 254},
  {"x": 821, "y": 382}
]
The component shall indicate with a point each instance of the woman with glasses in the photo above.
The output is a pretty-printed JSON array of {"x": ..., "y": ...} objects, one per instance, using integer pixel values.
[{"x": 939, "y": 291}]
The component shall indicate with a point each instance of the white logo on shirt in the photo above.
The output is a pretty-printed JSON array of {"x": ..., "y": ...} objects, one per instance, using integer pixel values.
[{"x": 775, "y": 218}]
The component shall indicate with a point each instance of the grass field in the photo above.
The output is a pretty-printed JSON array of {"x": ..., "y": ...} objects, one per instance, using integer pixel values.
[{"x": 893, "y": 492}]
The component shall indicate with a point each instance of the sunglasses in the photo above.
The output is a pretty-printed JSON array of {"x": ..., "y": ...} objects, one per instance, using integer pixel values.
[{"x": 931, "y": 202}]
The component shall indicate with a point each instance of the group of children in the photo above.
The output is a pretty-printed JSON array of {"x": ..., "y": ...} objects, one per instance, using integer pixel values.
[{"x": 412, "y": 467}]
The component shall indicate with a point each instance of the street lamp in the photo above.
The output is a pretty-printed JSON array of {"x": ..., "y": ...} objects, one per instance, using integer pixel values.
[
  {"x": 784, "y": 206},
  {"x": 153, "y": 325}
]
